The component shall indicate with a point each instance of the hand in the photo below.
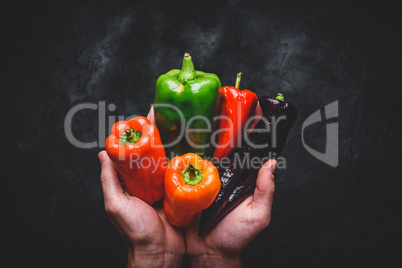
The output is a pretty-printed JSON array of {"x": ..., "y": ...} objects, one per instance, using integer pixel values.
[
  {"x": 150, "y": 239},
  {"x": 222, "y": 245}
]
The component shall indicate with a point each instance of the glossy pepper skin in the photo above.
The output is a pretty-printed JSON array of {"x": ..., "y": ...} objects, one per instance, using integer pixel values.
[
  {"x": 236, "y": 108},
  {"x": 191, "y": 185},
  {"x": 194, "y": 93},
  {"x": 238, "y": 182},
  {"x": 138, "y": 154}
]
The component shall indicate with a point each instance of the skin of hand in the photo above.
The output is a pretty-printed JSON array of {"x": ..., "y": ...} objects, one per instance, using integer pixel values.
[{"x": 152, "y": 241}]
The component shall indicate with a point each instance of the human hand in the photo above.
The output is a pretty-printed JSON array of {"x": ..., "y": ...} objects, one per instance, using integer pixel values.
[
  {"x": 222, "y": 245},
  {"x": 150, "y": 239}
]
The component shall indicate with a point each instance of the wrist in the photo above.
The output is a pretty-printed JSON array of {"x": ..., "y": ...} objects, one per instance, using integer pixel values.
[
  {"x": 139, "y": 258},
  {"x": 216, "y": 260}
]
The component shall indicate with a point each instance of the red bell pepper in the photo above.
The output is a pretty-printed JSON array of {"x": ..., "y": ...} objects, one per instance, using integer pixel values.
[
  {"x": 236, "y": 107},
  {"x": 138, "y": 154}
]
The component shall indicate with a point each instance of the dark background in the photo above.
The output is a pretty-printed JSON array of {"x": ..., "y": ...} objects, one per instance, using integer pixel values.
[{"x": 61, "y": 54}]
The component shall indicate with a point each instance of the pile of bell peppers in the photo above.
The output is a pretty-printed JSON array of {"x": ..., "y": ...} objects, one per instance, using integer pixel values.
[{"x": 186, "y": 105}]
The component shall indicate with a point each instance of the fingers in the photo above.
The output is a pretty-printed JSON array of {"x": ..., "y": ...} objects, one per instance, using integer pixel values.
[
  {"x": 109, "y": 177},
  {"x": 150, "y": 115},
  {"x": 191, "y": 230},
  {"x": 264, "y": 192},
  {"x": 257, "y": 117},
  {"x": 158, "y": 206}
]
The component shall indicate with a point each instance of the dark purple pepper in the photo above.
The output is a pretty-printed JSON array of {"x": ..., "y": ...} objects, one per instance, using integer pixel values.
[{"x": 238, "y": 182}]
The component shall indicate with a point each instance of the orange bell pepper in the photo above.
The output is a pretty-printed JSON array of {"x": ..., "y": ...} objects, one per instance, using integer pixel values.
[
  {"x": 191, "y": 185},
  {"x": 138, "y": 154}
]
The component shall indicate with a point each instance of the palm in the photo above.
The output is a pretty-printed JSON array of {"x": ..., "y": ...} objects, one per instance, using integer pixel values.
[
  {"x": 236, "y": 230},
  {"x": 151, "y": 226},
  {"x": 231, "y": 234}
]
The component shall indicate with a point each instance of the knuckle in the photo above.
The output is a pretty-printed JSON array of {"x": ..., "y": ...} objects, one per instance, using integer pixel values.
[
  {"x": 261, "y": 171},
  {"x": 103, "y": 177},
  {"x": 112, "y": 207},
  {"x": 272, "y": 189},
  {"x": 261, "y": 221}
]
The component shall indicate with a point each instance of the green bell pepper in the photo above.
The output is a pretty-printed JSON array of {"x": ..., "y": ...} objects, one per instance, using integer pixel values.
[{"x": 186, "y": 102}]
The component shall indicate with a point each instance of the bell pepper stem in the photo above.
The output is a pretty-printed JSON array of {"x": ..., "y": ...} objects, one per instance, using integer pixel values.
[
  {"x": 187, "y": 71},
  {"x": 130, "y": 136},
  {"x": 238, "y": 78},
  {"x": 280, "y": 97},
  {"x": 191, "y": 175}
]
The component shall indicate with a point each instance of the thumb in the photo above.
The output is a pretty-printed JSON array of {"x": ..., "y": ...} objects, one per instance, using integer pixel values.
[
  {"x": 151, "y": 116},
  {"x": 265, "y": 186},
  {"x": 257, "y": 117},
  {"x": 109, "y": 177}
]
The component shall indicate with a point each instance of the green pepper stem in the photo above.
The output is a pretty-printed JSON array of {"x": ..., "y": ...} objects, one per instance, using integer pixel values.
[
  {"x": 280, "y": 97},
  {"x": 191, "y": 175},
  {"x": 130, "y": 136},
  {"x": 238, "y": 78},
  {"x": 187, "y": 71}
]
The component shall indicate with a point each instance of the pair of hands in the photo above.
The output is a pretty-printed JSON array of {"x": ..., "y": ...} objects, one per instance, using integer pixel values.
[{"x": 153, "y": 242}]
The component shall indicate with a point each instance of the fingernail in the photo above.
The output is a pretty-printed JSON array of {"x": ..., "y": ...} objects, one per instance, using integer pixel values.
[
  {"x": 102, "y": 157},
  {"x": 273, "y": 166}
]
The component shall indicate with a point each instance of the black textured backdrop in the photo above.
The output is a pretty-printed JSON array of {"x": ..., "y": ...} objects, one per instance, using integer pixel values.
[{"x": 64, "y": 53}]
